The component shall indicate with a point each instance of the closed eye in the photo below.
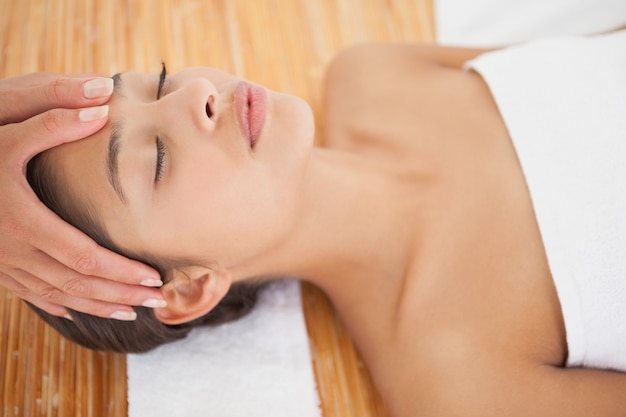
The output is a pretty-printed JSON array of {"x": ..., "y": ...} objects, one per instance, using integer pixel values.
[
  {"x": 162, "y": 76},
  {"x": 160, "y": 146},
  {"x": 160, "y": 160}
]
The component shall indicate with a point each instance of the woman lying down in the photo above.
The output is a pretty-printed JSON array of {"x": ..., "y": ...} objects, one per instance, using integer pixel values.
[{"x": 465, "y": 217}]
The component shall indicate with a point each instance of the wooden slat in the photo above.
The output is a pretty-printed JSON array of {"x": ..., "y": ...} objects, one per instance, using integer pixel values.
[{"x": 283, "y": 44}]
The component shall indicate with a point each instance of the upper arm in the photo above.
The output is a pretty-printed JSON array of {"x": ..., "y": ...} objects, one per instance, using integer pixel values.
[
  {"x": 581, "y": 392},
  {"x": 531, "y": 390},
  {"x": 466, "y": 374}
]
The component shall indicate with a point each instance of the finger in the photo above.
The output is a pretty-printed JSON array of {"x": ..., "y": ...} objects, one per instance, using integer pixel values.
[
  {"x": 76, "y": 251},
  {"x": 41, "y": 293},
  {"x": 73, "y": 284},
  {"x": 23, "y": 102},
  {"x": 35, "y": 79},
  {"x": 53, "y": 128},
  {"x": 25, "y": 294}
]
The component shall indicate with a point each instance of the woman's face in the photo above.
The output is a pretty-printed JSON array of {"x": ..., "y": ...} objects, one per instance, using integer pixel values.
[{"x": 209, "y": 170}]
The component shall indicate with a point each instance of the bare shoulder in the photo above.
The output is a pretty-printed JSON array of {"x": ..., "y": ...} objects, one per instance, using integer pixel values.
[
  {"x": 360, "y": 71},
  {"x": 388, "y": 98},
  {"x": 361, "y": 57},
  {"x": 362, "y": 85}
]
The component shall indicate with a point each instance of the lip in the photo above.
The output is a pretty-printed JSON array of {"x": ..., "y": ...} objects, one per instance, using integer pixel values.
[{"x": 250, "y": 104}]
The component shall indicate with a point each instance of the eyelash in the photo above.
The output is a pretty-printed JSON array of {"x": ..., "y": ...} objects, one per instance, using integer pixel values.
[
  {"x": 161, "y": 80},
  {"x": 160, "y": 162},
  {"x": 160, "y": 146}
]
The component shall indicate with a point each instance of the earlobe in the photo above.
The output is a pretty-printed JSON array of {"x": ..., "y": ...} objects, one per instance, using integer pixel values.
[{"x": 192, "y": 293}]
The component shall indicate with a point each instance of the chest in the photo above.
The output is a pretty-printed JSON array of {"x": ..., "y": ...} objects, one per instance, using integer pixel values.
[{"x": 479, "y": 277}]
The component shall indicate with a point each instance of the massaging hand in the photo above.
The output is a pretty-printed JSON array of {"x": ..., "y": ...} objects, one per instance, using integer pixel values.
[{"x": 42, "y": 259}]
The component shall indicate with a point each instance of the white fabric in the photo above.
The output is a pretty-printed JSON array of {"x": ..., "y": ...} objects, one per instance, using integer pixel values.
[
  {"x": 503, "y": 22},
  {"x": 564, "y": 103},
  {"x": 258, "y": 366}
]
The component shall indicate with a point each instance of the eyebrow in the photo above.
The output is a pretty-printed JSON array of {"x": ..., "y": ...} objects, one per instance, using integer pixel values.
[{"x": 114, "y": 149}]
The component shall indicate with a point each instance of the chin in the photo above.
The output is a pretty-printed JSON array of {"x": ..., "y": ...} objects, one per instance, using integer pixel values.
[
  {"x": 289, "y": 138},
  {"x": 289, "y": 132}
]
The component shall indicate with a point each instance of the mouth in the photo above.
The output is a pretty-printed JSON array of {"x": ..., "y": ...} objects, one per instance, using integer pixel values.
[{"x": 251, "y": 103}]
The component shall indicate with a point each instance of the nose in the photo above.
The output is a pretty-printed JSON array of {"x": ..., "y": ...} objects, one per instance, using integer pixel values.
[{"x": 196, "y": 102}]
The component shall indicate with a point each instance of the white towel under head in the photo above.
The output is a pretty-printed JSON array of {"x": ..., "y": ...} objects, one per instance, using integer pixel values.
[{"x": 258, "y": 366}]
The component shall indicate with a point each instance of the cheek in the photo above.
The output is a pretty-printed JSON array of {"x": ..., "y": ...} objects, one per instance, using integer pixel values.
[{"x": 224, "y": 213}]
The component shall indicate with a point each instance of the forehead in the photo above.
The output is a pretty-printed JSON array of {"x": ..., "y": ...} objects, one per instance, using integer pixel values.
[
  {"x": 82, "y": 173},
  {"x": 82, "y": 163},
  {"x": 133, "y": 84}
]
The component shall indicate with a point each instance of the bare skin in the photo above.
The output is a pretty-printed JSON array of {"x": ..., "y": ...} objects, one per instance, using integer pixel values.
[
  {"x": 455, "y": 311},
  {"x": 414, "y": 218},
  {"x": 42, "y": 259}
]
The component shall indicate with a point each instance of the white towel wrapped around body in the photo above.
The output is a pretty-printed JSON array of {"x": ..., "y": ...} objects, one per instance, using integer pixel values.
[{"x": 564, "y": 103}]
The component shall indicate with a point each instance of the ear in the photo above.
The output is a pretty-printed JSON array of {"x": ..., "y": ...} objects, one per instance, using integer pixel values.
[{"x": 191, "y": 293}]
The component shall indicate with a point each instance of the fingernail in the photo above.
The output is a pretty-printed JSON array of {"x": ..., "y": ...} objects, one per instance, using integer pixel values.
[
  {"x": 124, "y": 315},
  {"x": 93, "y": 113},
  {"x": 154, "y": 303},
  {"x": 67, "y": 316},
  {"x": 151, "y": 282},
  {"x": 98, "y": 87}
]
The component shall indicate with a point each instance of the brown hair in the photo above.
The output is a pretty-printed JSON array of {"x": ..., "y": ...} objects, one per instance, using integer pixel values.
[{"x": 146, "y": 332}]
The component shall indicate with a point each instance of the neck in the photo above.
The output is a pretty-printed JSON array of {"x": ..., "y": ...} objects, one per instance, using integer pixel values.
[{"x": 357, "y": 220}]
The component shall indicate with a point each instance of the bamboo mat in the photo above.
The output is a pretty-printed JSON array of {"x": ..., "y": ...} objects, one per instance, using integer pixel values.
[{"x": 282, "y": 44}]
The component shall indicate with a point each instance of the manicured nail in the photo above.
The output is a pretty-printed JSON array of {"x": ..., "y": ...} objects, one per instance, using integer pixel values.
[
  {"x": 98, "y": 87},
  {"x": 93, "y": 113},
  {"x": 124, "y": 315},
  {"x": 151, "y": 282},
  {"x": 154, "y": 303}
]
